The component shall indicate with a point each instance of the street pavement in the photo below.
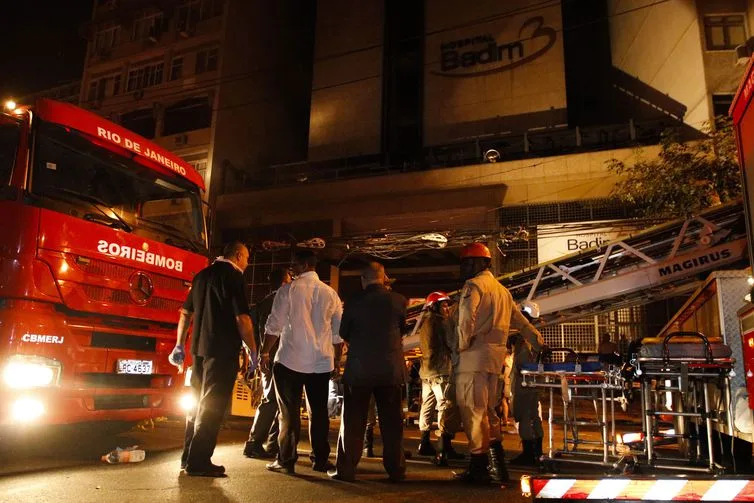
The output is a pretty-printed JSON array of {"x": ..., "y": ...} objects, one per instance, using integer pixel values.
[{"x": 63, "y": 465}]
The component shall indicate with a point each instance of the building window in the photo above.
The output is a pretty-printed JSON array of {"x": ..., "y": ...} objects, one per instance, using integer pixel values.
[
  {"x": 103, "y": 87},
  {"x": 176, "y": 68},
  {"x": 106, "y": 38},
  {"x": 148, "y": 25},
  {"x": 140, "y": 122},
  {"x": 206, "y": 60},
  {"x": 191, "y": 12},
  {"x": 724, "y": 32},
  {"x": 200, "y": 165},
  {"x": 721, "y": 104},
  {"x": 187, "y": 115},
  {"x": 145, "y": 76}
]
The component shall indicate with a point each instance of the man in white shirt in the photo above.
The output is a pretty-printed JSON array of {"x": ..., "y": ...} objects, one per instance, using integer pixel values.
[{"x": 306, "y": 317}]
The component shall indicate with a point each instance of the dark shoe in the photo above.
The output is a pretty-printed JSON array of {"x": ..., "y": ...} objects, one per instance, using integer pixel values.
[
  {"x": 425, "y": 446},
  {"x": 527, "y": 456},
  {"x": 323, "y": 467},
  {"x": 334, "y": 475},
  {"x": 498, "y": 470},
  {"x": 276, "y": 467},
  {"x": 369, "y": 443},
  {"x": 476, "y": 473},
  {"x": 397, "y": 477},
  {"x": 254, "y": 450},
  {"x": 208, "y": 471}
]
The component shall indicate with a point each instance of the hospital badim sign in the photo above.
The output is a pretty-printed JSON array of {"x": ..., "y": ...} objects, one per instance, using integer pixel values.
[{"x": 484, "y": 54}]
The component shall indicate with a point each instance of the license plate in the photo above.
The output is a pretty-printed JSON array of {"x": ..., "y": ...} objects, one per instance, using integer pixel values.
[{"x": 134, "y": 367}]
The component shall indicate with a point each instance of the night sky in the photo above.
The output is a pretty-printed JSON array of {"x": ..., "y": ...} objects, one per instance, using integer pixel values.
[{"x": 42, "y": 44}]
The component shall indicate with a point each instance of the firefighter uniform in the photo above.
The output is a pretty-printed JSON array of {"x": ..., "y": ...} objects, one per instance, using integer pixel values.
[
  {"x": 486, "y": 314},
  {"x": 435, "y": 334}
]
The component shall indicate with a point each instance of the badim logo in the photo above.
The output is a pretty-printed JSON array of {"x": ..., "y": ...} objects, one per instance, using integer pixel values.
[{"x": 494, "y": 57}]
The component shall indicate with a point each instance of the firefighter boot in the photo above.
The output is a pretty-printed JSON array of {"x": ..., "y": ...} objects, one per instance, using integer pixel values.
[
  {"x": 425, "y": 446},
  {"x": 446, "y": 451},
  {"x": 526, "y": 458},
  {"x": 476, "y": 473},
  {"x": 369, "y": 443},
  {"x": 498, "y": 471}
]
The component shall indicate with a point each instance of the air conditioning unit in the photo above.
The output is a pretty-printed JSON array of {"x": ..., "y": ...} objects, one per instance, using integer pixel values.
[
  {"x": 185, "y": 29},
  {"x": 744, "y": 52},
  {"x": 154, "y": 33},
  {"x": 181, "y": 139}
]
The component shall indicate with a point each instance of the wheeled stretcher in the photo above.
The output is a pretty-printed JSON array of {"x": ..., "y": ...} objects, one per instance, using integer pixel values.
[
  {"x": 579, "y": 382},
  {"x": 684, "y": 377}
]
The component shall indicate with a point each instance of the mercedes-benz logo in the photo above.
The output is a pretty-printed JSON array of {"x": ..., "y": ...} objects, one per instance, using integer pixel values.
[{"x": 141, "y": 287}]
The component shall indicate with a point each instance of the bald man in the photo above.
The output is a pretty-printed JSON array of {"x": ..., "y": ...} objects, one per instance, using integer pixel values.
[{"x": 372, "y": 326}]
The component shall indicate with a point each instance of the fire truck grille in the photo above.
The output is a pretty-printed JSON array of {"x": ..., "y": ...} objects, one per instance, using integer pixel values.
[
  {"x": 119, "y": 272},
  {"x": 113, "y": 402},
  {"x": 123, "y": 341},
  {"x": 101, "y": 294},
  {"x": 122, "y": 381}
]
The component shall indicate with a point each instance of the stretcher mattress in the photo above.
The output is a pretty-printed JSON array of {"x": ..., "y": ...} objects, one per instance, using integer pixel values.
[
  {"x": 683, "y": 347},
  {"x": 568, "y": 367}
]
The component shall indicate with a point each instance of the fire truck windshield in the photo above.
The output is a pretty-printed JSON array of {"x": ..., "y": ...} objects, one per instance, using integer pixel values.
[{"x": 77, "y": 177}]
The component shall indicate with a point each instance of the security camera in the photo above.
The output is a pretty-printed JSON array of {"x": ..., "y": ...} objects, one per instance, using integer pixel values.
[{"x": 492, "y": 155}]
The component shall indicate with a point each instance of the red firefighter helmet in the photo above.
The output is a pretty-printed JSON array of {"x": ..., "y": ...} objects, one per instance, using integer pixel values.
[
  {"x": 476, "y": 250},
  {"x": 436, "y": 297}
]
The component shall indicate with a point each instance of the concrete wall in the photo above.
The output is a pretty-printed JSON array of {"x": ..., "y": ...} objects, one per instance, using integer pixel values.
[
  {"x": 661, "y": 45},
  {"x": 346, "y": 96},
  {"x": 261, "y": 113},
  {"x": 473, "y": 86},
  {"x": 564, "y": 178}
]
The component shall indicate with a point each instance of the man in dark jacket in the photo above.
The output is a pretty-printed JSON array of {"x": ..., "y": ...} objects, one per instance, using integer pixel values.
[
  {"x": 219, "y": 309},
  {"x": 372, "y": 326},
  {"x": 263, "y": 437}
]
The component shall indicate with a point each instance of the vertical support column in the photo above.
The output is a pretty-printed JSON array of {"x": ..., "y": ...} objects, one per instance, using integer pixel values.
[{"x": 337, "y": 229}]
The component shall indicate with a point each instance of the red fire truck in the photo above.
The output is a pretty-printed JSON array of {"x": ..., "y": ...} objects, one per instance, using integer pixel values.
[{"x": 101, "y": 233}]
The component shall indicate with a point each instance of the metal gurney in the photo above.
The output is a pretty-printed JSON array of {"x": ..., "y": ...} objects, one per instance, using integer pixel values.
[
  {"x": 685, "y": 377},
  {"x": 579, "y": 382}
]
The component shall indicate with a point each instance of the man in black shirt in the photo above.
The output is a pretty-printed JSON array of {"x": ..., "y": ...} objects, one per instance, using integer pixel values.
[
  {"x": 219, "y": 307},
  {"x": 372, "y": 326},
  {"x": 265, "y": 428}
]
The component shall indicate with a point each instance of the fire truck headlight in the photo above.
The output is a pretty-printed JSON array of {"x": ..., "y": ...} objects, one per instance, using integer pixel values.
[
  {"x": 27, "y": 409},
  {"x": 526, "y": 486},
  {"x": 23, "y": 371},
  {"x": 187, "y": 402}
]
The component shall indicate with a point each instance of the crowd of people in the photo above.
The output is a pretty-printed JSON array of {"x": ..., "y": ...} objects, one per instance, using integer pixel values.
[{"x": 301, "y": 328}]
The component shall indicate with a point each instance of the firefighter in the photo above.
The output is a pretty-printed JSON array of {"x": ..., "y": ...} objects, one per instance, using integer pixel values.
[
  {"x": 525, "y": 400},
  {"x": 434, "y": 342},
  {"x": 486, "y": 313}
]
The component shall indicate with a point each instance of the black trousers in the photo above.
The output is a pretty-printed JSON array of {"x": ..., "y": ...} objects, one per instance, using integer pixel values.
[
  {"x": 289, "y": 385},
  {"x": 265, "y": 429},
  {"x": 354, "y": 422},
  {"x": 212, "y": 382}
]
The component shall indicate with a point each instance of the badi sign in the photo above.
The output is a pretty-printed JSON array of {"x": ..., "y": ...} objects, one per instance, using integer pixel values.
[{"x": 555, "y": 241}]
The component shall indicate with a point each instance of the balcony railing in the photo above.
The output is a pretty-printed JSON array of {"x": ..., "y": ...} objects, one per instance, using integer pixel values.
[{"x": 509, "y": 147}]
